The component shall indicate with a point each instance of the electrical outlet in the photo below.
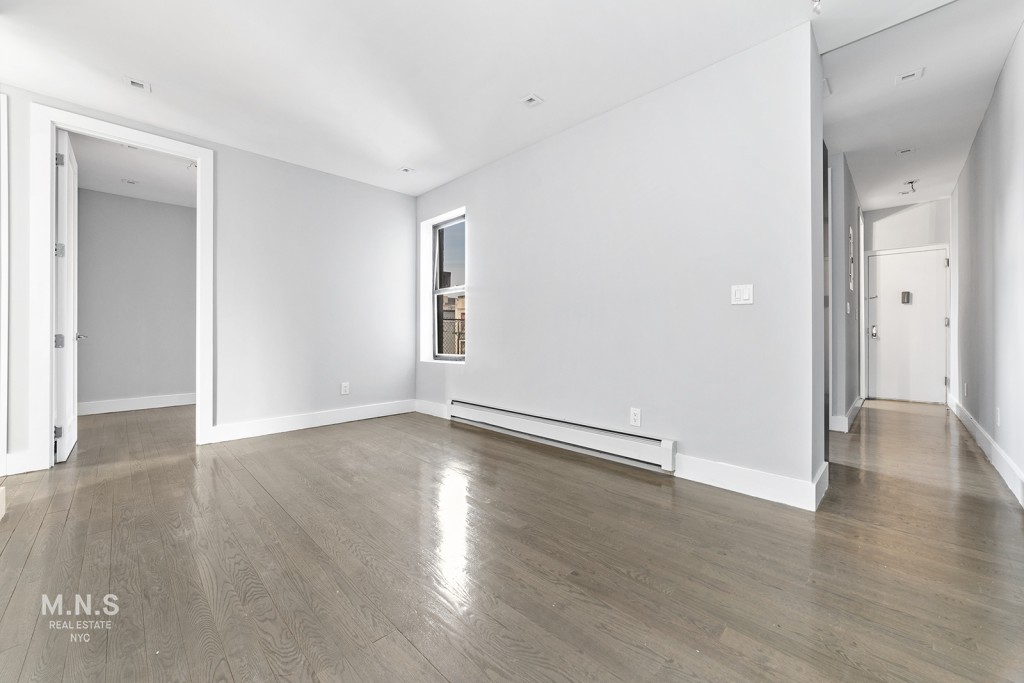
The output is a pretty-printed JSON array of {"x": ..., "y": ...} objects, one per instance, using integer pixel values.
[
  {"x": 634, "y": 417},
  {"x": 344, "y": 388},
  {"x": 965, "y": 389},
  {"x": 998, "y": 421}
]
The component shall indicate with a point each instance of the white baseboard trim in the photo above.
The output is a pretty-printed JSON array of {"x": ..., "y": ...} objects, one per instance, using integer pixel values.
[
  {"x": 432, "y": 408},
  {"x": 120, "y": 405},
  {"x": 843, "y": 423},
  {"x": 291, "y": 423},
  {"x": 1000, "y": 459},
  {"x": 774, "y": 487}
]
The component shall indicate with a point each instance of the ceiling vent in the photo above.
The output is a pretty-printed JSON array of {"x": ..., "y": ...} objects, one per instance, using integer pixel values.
[
  {"x": 915, "y": 75},
  {"x": 904, "y": 152},
  {"x": 136, "y": 84},
  {"x": 532, "y": 100}
]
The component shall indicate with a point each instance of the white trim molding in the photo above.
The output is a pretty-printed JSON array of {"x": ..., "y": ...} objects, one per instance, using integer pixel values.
[
  {"x": 1000, "y": 459},
  {"x": 121, "y": 405},
  {"x": 799, "y": 493},
  {"x": 5, "y": 281},
  {"x": 432, "y": 408},
  {"x": 290, "y": 423},
  {"x": 44, "y": 123},
  {"x": 843, "y": 423}
]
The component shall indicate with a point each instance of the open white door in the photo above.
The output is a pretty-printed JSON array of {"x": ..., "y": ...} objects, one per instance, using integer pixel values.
[
  {"x": 65, "y": 303},
  {"x": 907, "y": 326}
]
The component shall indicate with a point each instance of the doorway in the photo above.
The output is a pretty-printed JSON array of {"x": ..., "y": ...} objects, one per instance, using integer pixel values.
[
  {"x": 907, "y": 335},
  {"x": 45, "y": 122}
]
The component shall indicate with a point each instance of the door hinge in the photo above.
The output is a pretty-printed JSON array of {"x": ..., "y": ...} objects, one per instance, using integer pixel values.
[
  {"x": 947, "y": 322},
  {"x": 946, "y": 381},
  {"x": 58, "y": 341},
  {"x": 59, "y": 159},
  {"x": 58, "y": 432},
  {"x": 59, "y": 250},
  {"x": 947, "y": 263}
]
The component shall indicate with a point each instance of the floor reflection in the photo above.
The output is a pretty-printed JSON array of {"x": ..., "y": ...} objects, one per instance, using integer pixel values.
[{"x": 452, "y": 513}]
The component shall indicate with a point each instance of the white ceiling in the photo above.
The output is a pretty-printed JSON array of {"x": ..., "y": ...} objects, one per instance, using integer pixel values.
[
  {"x": 361, "y": 89},
  {"x": 962, "y": 47},
  {"x": 104, "y": 166}
]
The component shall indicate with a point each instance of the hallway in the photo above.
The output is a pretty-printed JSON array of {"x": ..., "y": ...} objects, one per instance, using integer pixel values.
[{"x": 411, "y": 548}]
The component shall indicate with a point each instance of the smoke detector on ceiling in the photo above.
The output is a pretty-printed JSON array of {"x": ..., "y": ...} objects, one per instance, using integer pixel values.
[
  {"x": 137, "y": 84},
  {"x": 914, "y": 75},
  {"x": 407, "y": 169},
  {"x": 532, "y": 100},
  {"x": 129, "y": 181}
]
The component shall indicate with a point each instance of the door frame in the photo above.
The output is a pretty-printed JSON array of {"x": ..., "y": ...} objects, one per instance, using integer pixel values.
[
  {"x": 42, "y": 222},
  {"x": 5, "y": 280},
  {"x": 865, "y": 328}
]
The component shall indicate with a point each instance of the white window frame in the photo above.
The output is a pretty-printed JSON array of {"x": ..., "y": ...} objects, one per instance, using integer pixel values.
[{"x": 428, "y": 285}]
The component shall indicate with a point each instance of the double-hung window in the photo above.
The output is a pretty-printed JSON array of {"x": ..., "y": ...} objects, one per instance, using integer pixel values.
[{"x": 449, "y": 289}]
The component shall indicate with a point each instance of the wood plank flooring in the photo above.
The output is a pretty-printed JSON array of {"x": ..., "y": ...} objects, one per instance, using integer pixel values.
[{"x": 409, "y": 548}]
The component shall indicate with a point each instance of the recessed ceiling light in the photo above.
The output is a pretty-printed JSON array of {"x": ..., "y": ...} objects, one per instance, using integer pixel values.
[
  {"x": 406, "y": 169},
  {"x": 129, "y": 181},
  {"x": 137, "y": 84},
  {"x": 532, "y": 100},
  {"x": 910, "y": 76}
]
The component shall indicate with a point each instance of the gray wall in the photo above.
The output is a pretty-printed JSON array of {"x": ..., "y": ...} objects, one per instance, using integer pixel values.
[
  {"x": 136, "y": 297},
  {"x": 901, "y": 227},
  {"x": 845, "y": 325},
  {"x": 988, "y": 277},
  {"x": 600, "y": 262},
  {"x": 314, "y": 283}
]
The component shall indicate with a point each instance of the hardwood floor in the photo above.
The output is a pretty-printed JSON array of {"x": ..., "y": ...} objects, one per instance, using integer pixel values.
[{"x": 408, "y": 548}]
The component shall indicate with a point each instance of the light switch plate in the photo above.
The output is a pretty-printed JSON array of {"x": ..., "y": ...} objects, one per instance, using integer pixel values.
[{"x": 742, "y": 295}]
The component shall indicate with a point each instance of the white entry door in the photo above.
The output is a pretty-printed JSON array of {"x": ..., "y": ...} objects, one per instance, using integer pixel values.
[
  {"x": 907, "y": 334},
  {"x": 65, "y": 303}
]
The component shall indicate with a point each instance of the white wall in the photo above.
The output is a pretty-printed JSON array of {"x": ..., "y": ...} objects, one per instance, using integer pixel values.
[
  {"x": 314, "y": 285},
  {"x": 989, "y": 281},
  {"x": 136, "y": 298},
  {"x": 845, "y": 322},
  {"x": 600, "y": 263},
  {"x": 901, "y": 227}
]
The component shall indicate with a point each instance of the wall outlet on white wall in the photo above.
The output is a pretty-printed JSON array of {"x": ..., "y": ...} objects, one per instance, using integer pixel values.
[
  {"x": 344, "y": 389},
  {"x": 965, "y": 389},
  {"x": 998, "y": 421},
  {"x": 634, "y": 417}
]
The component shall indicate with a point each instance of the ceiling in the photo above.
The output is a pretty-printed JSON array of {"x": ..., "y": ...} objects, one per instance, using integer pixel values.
[
  {"x": 105, "y": 166},
  {"x": 962, "y": 47},
  {"x": 362, "y": 89}
]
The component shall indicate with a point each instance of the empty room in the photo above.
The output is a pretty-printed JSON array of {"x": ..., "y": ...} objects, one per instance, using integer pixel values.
[{"x": 487, "y": 341}]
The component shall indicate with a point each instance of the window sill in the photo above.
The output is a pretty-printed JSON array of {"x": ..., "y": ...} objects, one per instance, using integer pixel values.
[{"x": 444, "y": 361}]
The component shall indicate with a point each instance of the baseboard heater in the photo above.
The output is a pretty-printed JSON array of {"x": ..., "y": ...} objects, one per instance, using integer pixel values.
[{"x": 643, "y": 449}]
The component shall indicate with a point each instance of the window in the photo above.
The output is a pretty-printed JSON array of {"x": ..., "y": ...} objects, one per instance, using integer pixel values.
[{"x": 449, "y": 289}]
